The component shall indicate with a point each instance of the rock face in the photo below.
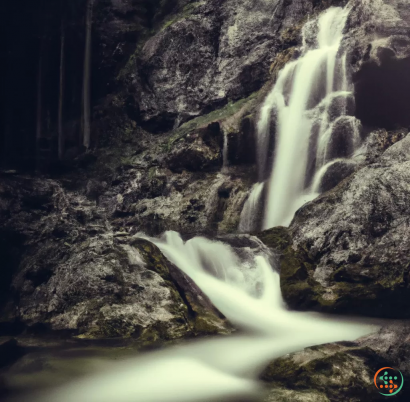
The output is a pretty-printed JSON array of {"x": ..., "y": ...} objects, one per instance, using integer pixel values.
[
  {"x": 377, "y": 39},
  {"x": 209, "y": 53},
  {"x": 349, "y": 247},
  {"x": 335, "y": 174},
  {"x": 176, "y": 181},
  {"x": 75, "y": 274}
]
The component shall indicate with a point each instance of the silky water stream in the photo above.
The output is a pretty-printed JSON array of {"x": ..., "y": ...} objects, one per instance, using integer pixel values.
[
  {"x": 306, "y": 117},
  {"x": 245, "y": 288}
]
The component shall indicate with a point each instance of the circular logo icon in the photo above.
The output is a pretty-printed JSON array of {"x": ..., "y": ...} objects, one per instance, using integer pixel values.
[{"x": 388, "y": 381}]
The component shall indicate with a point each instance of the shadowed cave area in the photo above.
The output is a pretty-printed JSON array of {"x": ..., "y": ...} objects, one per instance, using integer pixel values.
[{"x": 382, "y": 92}]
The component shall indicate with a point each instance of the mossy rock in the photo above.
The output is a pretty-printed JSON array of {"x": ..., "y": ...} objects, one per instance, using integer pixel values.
[
  {"x": 352, "y": 289},
  {"x": 201, "y": 316},
  {"x": 216, "y": 116},
  {"x": 339, "y": 372},
  {"x": 288, "y": 395},
  {"x": 298, "y": 287},
  {"x": 154, "y": 259}
]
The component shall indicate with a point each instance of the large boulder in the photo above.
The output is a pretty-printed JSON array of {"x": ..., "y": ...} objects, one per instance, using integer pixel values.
[
  {"x": 348, "y": 251},
  {"x": 340, "y": 371},
  {"x": 77, "y": 276}
]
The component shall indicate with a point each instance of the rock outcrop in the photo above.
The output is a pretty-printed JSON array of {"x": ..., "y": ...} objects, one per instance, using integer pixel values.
[
  {"x": 347, "y": 250},
  {"x": 341, "y": 371},
  {"x": 78, "y": 276}
]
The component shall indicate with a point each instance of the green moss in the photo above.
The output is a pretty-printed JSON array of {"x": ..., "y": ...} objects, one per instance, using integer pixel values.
[
  {"x": 150, "y": 336},
  {"x": 152, "y": 172},
  {"x": 299, "y": 289},
  {"x": 216, "y": 116},
  {"x": 206, "y": 326},
  {"x": 277, "y": 238},
  {"x": 154, "y": 259},
  {"x": 281, "y": 60},
  {"x": 185, "y": 13}
]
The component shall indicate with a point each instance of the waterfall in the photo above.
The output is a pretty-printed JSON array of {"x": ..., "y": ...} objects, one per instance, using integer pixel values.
[
  {"x": 317, "y": 182},
  {"x": 246, "y": 290},
  {"x": 305, "y": 115},
  {"x": 249, "y": 216},
  {"x": 86, "y": 76}
]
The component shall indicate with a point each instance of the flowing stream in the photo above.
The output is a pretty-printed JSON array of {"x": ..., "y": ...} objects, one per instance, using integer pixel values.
[
  {"x": 306, "y": 117},
  {"x": 245, "y": 288}
]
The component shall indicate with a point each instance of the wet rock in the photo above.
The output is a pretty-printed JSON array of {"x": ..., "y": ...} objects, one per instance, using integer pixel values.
[
  {"x": 229, "y": 48},
  {"x": 379, "y": 49},
  {"x": 296, "y": 268},
  {"x": 341, "y": 103},
  {"x": 333, "y": 372},
  {"x": 344, "y": 137},
  {"x": 78, "y": 277},
  {"x": 204, "y": 318},
  {"x": 351, "y": 243},
  {"x": 194, "y": 156},
  {"x": 335, "y": 173},
  {"x": 287, "y": 395},
  {"x": 340, "y": 371},
  {"x": 241, "y": 142}
]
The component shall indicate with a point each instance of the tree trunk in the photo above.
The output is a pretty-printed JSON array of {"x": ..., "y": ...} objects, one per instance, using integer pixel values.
[
  {"x": 86, "y": 77},
  {"x": 61, "y": 94},
  {"x": 39, "y": 92}
]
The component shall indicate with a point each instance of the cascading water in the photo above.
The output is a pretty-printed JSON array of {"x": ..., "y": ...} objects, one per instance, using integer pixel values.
[
  {"x": 249, "y": 221},
  {"x": 245, "y": 288},
  {"x": 308, "y": 105}
]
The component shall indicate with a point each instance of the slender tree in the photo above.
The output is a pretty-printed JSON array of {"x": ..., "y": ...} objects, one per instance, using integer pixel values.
[
  {"x": 87, "y": 75},
  {"x": 39, "y": 91},
  {"x": 61, "y": 92}
]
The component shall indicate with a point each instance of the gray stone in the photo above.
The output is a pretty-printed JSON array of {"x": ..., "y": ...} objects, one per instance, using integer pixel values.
[{"x": 356, "y": 239}]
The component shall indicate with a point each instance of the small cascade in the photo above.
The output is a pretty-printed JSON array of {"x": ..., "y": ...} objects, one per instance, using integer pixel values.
[
  {"x": 246, "y": 290},
  {"x": 317, "y": 182},
  {"x": 307, "y": 116},
  {"x": 248, "y": 221}
]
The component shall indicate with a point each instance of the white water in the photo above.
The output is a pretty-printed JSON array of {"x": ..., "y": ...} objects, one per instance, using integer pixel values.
[
  {"x": 248, "y": 223},
  {"x": 247, "y": 292},
  {"x": 321, "y": 173},
  {"x": 299, "y": 105}
]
